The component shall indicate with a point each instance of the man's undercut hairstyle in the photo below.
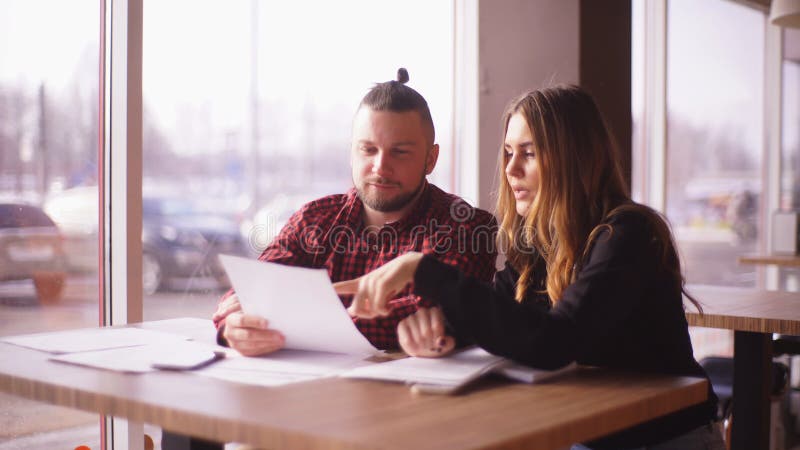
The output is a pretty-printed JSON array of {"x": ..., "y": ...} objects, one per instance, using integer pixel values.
[{"x": 395, "y": 96}]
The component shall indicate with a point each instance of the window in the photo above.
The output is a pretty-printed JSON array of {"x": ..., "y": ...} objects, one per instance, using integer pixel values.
[
  {"x": 714, "y": 136},
  {"x": 698, "y": 136},
  {"x": 48, "y": 153},
  {"x": 245, "y": 124},
  {"x": 790, "y": 139}
]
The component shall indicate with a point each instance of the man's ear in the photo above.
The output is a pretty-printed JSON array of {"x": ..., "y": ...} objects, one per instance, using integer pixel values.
[{"x": 431, "y": 158}]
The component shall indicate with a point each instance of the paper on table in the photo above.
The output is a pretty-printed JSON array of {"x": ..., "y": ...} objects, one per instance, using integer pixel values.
[
  {"x": 529, "y": 375},
  {"x": 447, "y": 374},
  {"x": 141, "y": 358},
  {"x": 88, "y": 339},
  {"x": 201, "y": 330},
  {"x": 282, "y": 367},
  {"x": 298, "y": 302}
]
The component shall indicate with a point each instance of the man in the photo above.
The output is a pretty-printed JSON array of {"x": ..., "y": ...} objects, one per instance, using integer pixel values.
[{"x": 391, "y": 210}]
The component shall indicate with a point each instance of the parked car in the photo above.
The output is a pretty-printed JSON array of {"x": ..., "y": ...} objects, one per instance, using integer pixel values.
[
  {"x": 31, "y": 248},
  {"x": 181, "y": 243},
  {"x": 180, "y": 240},
  {"x": 75, "y": 210},
  {"x": 269, "y": 220}
]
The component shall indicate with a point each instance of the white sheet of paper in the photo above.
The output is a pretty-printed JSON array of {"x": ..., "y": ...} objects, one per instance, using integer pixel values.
[
  {"x": 201, "y": 330},
  {"x": 530, "y": 375},
  {"x": 89, "y": 339},
  {"x": 299, "y": 302},
  {"x": 282, "y": 367},
  {"x": 140, "y": 358},
  {"x": 448, "y": 372}
]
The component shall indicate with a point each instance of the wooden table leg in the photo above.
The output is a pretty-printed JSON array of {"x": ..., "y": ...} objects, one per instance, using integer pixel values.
[{"x": 752, "y": 381}]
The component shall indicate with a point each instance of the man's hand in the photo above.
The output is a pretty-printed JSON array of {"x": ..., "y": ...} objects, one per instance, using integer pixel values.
[
  {"x": 374, "y": 290},
  {"x": 227, "y": 307},
  {"x": 423, "y": 334},
  {"x": 249, "y": 335}
]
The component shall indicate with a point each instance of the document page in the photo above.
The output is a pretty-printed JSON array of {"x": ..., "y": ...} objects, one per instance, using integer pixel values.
[
  {"x": 88, "y": 339},
  {"x": 173, "y": 354},
  {"x": 299, "y": 302},
  {"x": 529, "y": 375},
  {"x": 201, "y": 330},
  {"x": 447, "y": 374},
  {"x": 282, "y": 367}
]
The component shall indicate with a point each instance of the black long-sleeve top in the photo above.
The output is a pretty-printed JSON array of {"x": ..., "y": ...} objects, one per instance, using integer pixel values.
[{"x": 623, "y": 311}]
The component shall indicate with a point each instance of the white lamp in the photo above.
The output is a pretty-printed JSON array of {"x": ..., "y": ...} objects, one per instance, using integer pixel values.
[{"x": 785, "y": 13}]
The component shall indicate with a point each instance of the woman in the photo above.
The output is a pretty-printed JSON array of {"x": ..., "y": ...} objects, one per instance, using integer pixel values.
[{"x": 591, "y": 276}]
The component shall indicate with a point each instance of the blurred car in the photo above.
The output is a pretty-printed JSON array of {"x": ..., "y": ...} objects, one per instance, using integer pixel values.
[
  {"x": 75, "y": 211},
  {"x": 181, "y": 242},
  {"x": 269, "y": 220},
  {"x": 31, "y": 248},
  {"x": 180, "y": 239}
]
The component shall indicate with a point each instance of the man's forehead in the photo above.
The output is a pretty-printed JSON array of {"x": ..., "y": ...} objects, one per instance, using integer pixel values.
[
  {"x": 404, "y": 126},
  {"x": 367, "y": 114},
  {"x": 398, "y": 143}
]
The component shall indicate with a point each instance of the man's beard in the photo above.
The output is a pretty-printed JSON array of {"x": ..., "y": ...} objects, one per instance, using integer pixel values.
[{"x": 392, "y": 204}]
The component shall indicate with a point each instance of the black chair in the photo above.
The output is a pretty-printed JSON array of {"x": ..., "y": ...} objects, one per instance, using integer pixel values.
[{"x": 720, "y": 372}]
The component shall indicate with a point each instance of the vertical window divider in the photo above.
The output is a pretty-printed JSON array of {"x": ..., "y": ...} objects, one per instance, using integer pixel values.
[
  {"x": 773, "y": 113},
  {"x": 466, "y": 162},
  {"x": 655, "y": 105},
  {"x": 120, "y": 184}
]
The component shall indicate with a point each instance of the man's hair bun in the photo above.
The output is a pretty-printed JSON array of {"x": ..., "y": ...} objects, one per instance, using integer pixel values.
[{"x": 402, "y": 75}]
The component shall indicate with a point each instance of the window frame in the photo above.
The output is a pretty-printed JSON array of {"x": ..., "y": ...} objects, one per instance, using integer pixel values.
[
  {"x": 120, "y": 184},
  {"x": 653, "y": 170},
  {"x": 120, "y": 149}
]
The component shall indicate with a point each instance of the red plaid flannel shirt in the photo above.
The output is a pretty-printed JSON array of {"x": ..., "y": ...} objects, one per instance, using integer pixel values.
[{"x": 330, "y": 233}]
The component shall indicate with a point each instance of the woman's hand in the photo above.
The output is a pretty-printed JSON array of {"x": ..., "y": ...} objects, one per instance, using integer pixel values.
[
  {"x": 374, "y": 290},
  {"x": 423, "y": 334}
]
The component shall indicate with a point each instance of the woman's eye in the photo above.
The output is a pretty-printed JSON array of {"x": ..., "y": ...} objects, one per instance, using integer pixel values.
[{"x": 530, "y": 155}]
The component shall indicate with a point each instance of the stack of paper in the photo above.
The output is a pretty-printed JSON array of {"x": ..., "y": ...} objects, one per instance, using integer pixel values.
[
  {"x": 172, "y": 355},
  {"x": 282, "y": 367},
  {"x": 449, "y": 374},
  {"x": 89, "y": 339},
  {"x": 123, "y": 349}
]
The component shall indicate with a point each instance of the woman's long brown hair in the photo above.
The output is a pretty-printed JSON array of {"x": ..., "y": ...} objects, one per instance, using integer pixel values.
[{"x": 580, "y": 187}]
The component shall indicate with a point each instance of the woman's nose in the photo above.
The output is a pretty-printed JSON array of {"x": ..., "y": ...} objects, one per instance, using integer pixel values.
[{"x": 513, "y": 167}]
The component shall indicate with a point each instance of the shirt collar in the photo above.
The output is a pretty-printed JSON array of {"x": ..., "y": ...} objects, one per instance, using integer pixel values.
[{"x": 417, "y": 213}]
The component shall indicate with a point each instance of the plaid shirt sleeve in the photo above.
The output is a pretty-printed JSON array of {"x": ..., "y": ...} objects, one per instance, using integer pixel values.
[
  {"x": 467, "y": 245},
  {"x": 470, "y": 247}
]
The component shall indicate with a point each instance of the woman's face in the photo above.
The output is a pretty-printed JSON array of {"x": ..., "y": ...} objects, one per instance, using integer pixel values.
[{"x": 522, "y": 168}]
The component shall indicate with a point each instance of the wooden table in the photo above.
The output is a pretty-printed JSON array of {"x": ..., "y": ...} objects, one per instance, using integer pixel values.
[
  {"x": 777, "y": 260},
  {"x": 342, "y": 413},
  {"x": 753, "y": 315}
]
